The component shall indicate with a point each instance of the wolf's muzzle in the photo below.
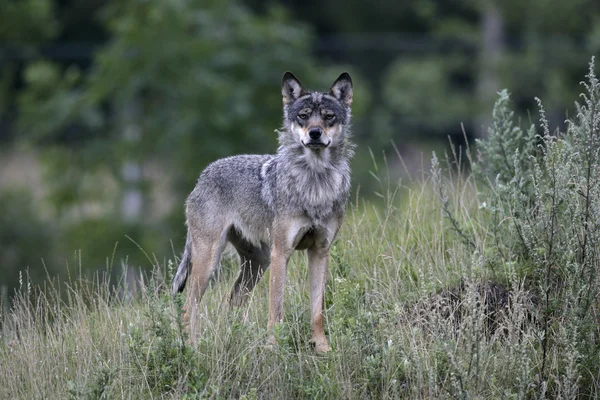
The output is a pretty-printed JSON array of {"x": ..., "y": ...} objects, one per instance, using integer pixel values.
[{"x": 315, "y": 133}]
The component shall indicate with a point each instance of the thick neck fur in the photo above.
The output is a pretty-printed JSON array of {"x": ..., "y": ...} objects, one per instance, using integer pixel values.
[{"x": 315, "y": 182}]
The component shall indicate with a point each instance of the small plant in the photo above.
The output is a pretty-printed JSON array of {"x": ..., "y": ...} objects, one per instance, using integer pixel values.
[{"x": 159, "y": 349}]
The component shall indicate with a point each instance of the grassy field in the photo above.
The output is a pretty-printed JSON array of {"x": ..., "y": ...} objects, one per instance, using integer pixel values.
[
  {"x": 479, "y": 284},
  {"x": 408, "y": 315}
]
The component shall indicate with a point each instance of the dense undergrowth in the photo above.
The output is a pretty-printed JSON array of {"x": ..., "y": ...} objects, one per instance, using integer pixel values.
[{"x": 480, "y": 282}]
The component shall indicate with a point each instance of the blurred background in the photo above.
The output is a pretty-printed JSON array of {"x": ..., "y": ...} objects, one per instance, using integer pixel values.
[{"x": 109, "y": 109}]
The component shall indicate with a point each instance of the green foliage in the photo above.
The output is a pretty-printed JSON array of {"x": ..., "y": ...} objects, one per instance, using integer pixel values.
[
  {"x": 211, "y": 91},
  {"x": 566, "y": 17},
  {"x": 545, "y": 201},
  {"x": 449, "y": 72},
  {"x": 24, "y": 25},
  {"x": 179, "y": 84},
  {"x": 506, "y": 149},
  {"x": 159, "y": 350},
  {"x": 23, "y": 226},
  {"x": 97, "y": 387},
  {"x": 27, "y": 22},
  {"x": 419, "y": 90},
  {"x": 53, "y": 101}
]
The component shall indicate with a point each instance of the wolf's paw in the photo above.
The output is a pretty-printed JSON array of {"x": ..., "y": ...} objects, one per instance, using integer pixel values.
[
  {"x": 271, "y": 343},
  {"x": 321, "y": 347}
]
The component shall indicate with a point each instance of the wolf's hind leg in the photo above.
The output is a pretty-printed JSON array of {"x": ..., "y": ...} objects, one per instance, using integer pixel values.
[
  {"x": 254, "y": 261},
  {"x": 206, "y": 254}
]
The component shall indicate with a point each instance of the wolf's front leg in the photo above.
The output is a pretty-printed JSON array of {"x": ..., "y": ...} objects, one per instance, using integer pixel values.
[
  {"x": 318, "y": 267},
  {"x": 286, "y": 234},
  {"x": 279, "y": 260},
  {"x": 318, "y": 263}
]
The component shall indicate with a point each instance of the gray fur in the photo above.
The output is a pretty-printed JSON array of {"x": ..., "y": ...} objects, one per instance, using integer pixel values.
[{"x": 238, "y": 198}]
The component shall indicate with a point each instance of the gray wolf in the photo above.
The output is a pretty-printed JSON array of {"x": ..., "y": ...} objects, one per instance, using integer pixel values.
[{"x": 267, "y": 206}]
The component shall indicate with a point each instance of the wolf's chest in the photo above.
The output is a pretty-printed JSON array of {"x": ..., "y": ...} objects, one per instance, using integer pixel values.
[
  {"x": 309, "y": 186},
  {"x": 319, "y": 190},
  {"x": 318, "y": 194}
]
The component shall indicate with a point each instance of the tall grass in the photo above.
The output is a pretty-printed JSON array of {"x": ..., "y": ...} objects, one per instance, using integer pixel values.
[
  {"x": 444, "y": 289},
  {"x": 393, "y": 331}
]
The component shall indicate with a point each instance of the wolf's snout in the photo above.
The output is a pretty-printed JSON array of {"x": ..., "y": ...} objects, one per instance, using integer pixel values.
[{"x": 315, "y": 133}]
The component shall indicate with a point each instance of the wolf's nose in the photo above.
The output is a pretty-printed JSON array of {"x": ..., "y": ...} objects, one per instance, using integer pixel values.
[{"x": 314, "y": 133}]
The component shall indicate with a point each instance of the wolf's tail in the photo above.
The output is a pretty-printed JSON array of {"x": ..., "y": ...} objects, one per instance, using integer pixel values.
[{"x": 184, "y": 267}]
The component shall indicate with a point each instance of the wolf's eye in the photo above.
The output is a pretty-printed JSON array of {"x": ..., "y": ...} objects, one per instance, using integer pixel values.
[
  {"x": 303, "y": 116},
  {"x": 329, "y": 117}
]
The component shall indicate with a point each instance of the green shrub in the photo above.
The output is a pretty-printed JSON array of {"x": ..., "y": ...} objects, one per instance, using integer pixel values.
[
  {"x": 543, "y": 194},
  {"x": 159, "y": 347}
]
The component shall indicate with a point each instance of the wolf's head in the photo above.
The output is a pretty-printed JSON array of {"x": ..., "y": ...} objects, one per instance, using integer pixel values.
[{"x": 316, "y": 120}]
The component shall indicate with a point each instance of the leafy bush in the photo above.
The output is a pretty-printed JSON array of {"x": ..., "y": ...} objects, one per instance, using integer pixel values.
[{"x": 543, "y": 191}]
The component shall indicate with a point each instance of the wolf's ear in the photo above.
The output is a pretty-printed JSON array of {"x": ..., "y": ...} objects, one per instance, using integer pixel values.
[
  {"x": 291, "y": 88},
  {"x": 342, "y": 89}
]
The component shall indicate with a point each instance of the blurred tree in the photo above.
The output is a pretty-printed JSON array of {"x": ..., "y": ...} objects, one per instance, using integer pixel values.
[
  {"x": 179, "y": 84},
  {"x": 536, "y": 48},
  {"x": 26, "y": 239},
  {"x": 24, "y": 25},
  {"x": 440, "y": 63}
]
